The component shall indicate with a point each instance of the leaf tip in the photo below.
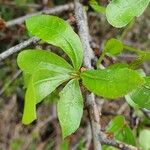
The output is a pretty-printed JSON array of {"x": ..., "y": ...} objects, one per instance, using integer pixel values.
[{"x": 27, "y": 121}]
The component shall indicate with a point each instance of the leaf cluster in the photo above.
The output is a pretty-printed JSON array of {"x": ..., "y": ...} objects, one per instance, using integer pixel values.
[{"x": 44, "y": 71}]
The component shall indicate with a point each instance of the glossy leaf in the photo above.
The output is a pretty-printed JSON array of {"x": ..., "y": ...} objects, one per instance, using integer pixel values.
[
  {"x": 40, "y": 85},
  {"x": 59, "y": 33},
  {"x": 144, "y": 139},
  {"x": 31, "y": 60},
  {"x": 46, "y": 81},
  {"x": 111, "y": 83},
  {"x": 113, "y": 47},
  {"x": 120, "y": 12},
  {"x": 70, "y": 108},
  {"x": 29, "y": 113},
  {"x": 141, "y": 95}
]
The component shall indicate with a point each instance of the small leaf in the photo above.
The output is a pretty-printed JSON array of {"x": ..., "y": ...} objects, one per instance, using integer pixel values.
[
  {"x": 31, "y": 60},
  {"x": 29, "y": 113},
  {"x": 145, "y": 55},
  {"x": 141, "y": 95},
  {"x": 70, "y": 108},
  {"x": 144, "y": 139},
  {"x": 121, "y": 131},
  {"x": 111, "y": 83},
  {"x": 46, "y": 81},
  {"x": 113, "y": 47},
  {"x": 120, "y": 12},
  {"x": 59, "y": 33},
  {"x": 97, "y": 7},
  {"x": 137, "y": 62},
  {"x": 116, "y": 124}
]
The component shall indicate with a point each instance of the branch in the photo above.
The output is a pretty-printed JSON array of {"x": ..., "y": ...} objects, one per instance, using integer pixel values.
[
  {"x": 54, "y": 11},
  {"x": 104, "y": 139},
  {"x": 20, "y": 20},
  {"x": 17, "y": 48},
  {"x": 32, "y": 5},
  {"x": 81, "y": 19},
  {"x": 98, "y": 136}
]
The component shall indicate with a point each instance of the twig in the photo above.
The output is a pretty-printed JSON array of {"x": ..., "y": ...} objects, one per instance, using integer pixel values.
[
  {"x": 88, "y": 136},
  {"x": 98, "y": 136},
  {"x": 17, "y": 48},
  {"x": 54, "y": 11},
  {"x": 28, "y": 42},
  {"x": 118, "y": 144},
  {"x": 81, "y": 19},
  {"x": 24, "y": 5}
]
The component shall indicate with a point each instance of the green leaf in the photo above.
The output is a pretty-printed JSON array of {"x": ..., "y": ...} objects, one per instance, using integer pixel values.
[
  {"x": 111, "y": 83},
  {"x": 120, "y": 12},
  {"x": 97, "y": 7},
  {"x": 118, "y": 66},
  {"x": 70, "y": 108},
  {"x": 141, "y": 95},
  {"x": 116, "y": 124},
  {"x": 145, "y": 55},
  {"x": 144, "y": 139},
  {"x": 113, "y": 47},
  {"x": 31, "y": 60},
  {"x": 128, "y": 98},
  {"x": 40, "y": 85},
  {"x": 29, "y": 113},
  {"x": 131, "y": 102},
  {"x": 121, "y": 131},
  {"x": 46, "y": 81},
  {"x": 137, "y": 62},
  {"x": 65, "y": 144},
  {"x": 26, "y": 79},
  {"x": 59, "y": 33}
]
